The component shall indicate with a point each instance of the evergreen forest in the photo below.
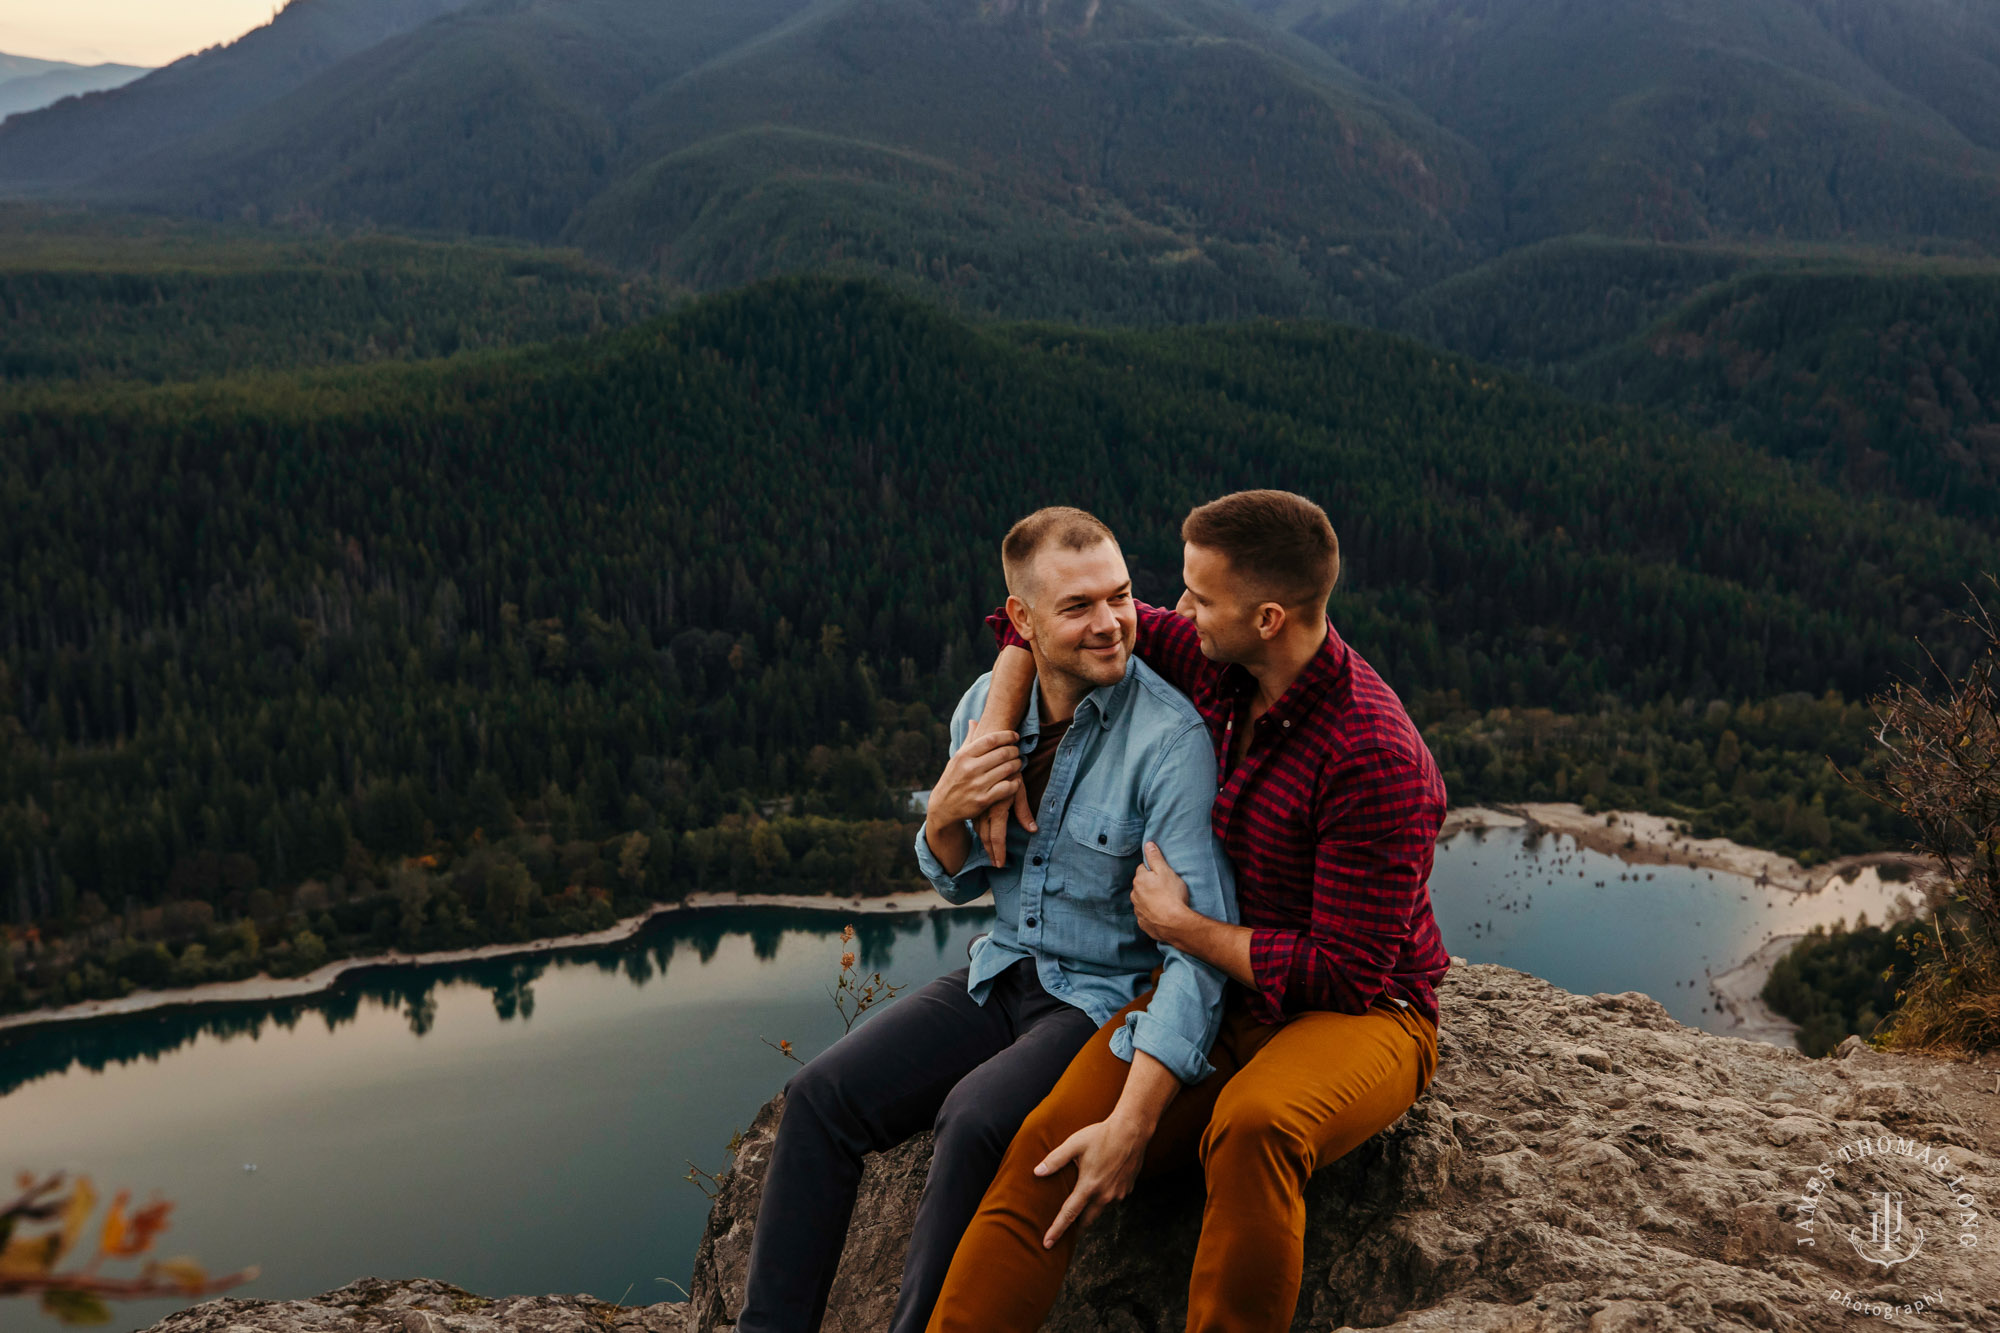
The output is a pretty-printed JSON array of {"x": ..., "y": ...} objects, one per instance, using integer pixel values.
[{"x": 419, "y": 654}]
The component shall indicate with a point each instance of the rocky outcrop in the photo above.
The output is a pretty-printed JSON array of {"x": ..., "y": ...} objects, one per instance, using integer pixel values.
[
  {"x": 1579, "y": 1163},
  {"x": 1582, "y": 1164}
]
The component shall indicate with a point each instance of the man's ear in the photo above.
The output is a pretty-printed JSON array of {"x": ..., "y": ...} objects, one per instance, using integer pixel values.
[
  {"x": 1017, "y": 611},
  {"x": 1271, "y": 620}
]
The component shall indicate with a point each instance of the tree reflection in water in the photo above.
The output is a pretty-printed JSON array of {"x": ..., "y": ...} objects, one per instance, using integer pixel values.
[{"x": 28, "y": 1054}]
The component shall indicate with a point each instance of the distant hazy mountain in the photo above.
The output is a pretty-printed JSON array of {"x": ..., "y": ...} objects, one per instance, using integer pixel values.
[
  {"x": 27, "y": 84},
  {"x": 82, "y": 146},
  {"x": 22, "y": 67},
  {"x": 502, "y": 120},
  {"x": 1150, "y": 152},
  {"x": 1123, "y": 159},
  {"x": 944, "y": 133},
  {"x": 1692, "y": 119}
]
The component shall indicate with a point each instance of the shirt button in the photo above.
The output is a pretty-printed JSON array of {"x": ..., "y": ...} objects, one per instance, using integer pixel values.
[
  {"x": 1101, "y": 840},
  {"x": 1029, "y": 923},
  {"x": 1038, "y": 860},
  {"x": 1287, "y": 722}
]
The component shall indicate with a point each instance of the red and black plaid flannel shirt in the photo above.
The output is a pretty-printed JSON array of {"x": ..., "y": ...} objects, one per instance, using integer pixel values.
[{"x": 1331, "y": 822}]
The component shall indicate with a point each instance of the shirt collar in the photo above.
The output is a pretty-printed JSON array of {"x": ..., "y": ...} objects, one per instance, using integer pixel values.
[
  {"x": 1320, "y": 672},
  {"x": 1105, "y": 701}
]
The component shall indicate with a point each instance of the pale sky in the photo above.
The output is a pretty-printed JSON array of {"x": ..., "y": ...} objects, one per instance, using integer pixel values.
[{"x": 125, "y": 32}]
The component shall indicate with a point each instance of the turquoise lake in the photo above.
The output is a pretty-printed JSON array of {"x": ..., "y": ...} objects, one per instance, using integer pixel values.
[{"x": 524, "y": 1125}]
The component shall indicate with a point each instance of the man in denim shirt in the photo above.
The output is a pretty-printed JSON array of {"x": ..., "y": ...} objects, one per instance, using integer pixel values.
[{"x": 1119, "y": 767}]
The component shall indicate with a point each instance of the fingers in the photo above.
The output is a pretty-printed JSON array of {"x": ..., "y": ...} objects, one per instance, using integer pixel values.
[
  {"x": 993, "y": 834},
  {"x": 999, "y": 792},
  {"x": 988, "y": 741},
  {"x": 1072, "y": 1207},
  {"x": 1066, "y": 1152},
  {"x": 1023, "y": 814},
  {"x": 984, "y": 769}
]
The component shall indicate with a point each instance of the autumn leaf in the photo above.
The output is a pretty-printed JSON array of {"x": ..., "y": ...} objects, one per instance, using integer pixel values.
[
  {"x": 111, "y": 1240},
  {"x": 184, "y": 1273},
  {"x": 76, "y": 1307},
  {"x": 29, "y": 1256},
  {"x": 145, "y": 1227},
  {"x": 82, "y": 1203}
]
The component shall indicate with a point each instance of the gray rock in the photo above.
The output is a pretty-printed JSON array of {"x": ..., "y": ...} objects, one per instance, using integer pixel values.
[
  {"x": 1582, "y": 1164},
  {"x": 373, "y": 1305}
]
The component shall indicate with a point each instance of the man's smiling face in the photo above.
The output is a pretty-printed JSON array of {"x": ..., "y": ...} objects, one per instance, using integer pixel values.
[{"x": 1080, "y": 605}]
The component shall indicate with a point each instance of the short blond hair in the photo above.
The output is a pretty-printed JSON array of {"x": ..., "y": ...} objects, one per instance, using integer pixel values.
[{"x": 1058, "y": 525}]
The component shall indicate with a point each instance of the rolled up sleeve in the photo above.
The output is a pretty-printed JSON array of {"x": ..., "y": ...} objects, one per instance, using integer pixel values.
[
  {"x": 967, "y": 884},
  {"x": 1179, "y": 1024}
]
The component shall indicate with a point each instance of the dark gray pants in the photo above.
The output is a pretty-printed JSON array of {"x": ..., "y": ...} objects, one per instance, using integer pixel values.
[{"x": 971, "y": 1072}]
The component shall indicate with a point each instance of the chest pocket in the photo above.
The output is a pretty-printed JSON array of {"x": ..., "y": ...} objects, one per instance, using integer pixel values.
[{"x": 1109, "y": 851}]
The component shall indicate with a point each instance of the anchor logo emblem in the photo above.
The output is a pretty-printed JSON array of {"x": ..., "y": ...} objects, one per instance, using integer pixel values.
[{"x": 1885, "y": 1229}]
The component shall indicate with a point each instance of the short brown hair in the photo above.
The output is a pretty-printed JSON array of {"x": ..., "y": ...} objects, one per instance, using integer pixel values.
[
  {"x": 1071, "y": 529},
  {"x": 1281, "y": 543}
]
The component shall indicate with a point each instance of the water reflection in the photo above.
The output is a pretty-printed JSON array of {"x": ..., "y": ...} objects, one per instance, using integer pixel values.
[{"x": 30, "y": 1054}]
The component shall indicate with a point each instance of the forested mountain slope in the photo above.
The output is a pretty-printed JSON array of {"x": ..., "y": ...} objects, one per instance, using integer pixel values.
[
  {"x": 1882, "y": 381},
  {"x": 501, "y": 120},
  {"x": 121, "y": 297},
  {"x": 1879, "y": 372},
  {"x": 939, "y": 135},
  {"x": 1161, "y": 159},
  {"x": 87, "y": 144},
  {"x": 1134, "y": 161},
  {"x": 278, "y": 627},
  {"x": 1873, "y": 119}
]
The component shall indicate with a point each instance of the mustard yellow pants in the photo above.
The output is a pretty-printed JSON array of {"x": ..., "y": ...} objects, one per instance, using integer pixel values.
[{"x": 1284, "y": 1100}]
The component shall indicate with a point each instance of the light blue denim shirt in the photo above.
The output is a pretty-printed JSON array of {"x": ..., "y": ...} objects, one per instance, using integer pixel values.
[{"x": 1135, "y": 766}]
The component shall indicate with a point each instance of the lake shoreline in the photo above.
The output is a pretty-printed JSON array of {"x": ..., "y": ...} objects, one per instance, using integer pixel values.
[
  {"x": 1642, "y": 839},
  {"x": 1740, "y": 991},
  {"x": 264, "y": 988},
  {"x": 1637, "y": 839}
]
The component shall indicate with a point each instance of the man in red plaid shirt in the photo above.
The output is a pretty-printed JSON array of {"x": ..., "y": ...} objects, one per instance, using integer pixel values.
[{"x": 1329, "y": 807}]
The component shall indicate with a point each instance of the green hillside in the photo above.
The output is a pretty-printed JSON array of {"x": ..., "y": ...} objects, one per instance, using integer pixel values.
[
  {"x": 87, "y": 144},
  {"x": 1881, "y": 381},
  {"x": 534, "y": 97},
  {"x": 120, "y": 297},
  {"x": 1136, "y": 160},
  {"x": 1879, "y": 372},
  {"x": 507, "y": 611},
  {"x": 1155, "y": 128},
  {"x": 1801, "y": 119},
  {"x": 1105, "y": 161}
]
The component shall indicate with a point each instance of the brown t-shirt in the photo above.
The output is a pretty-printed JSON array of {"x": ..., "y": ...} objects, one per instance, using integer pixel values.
[{"x": 1035, "y": 768}]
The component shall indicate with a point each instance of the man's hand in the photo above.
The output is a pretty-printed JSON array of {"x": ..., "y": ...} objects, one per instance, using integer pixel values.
[
  {"x": 992, "y": 825},
  {"x": 1160, "y": 897},
  {"x": 986, "y": 770},
  {"x": 1108, "y": 1156}
]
